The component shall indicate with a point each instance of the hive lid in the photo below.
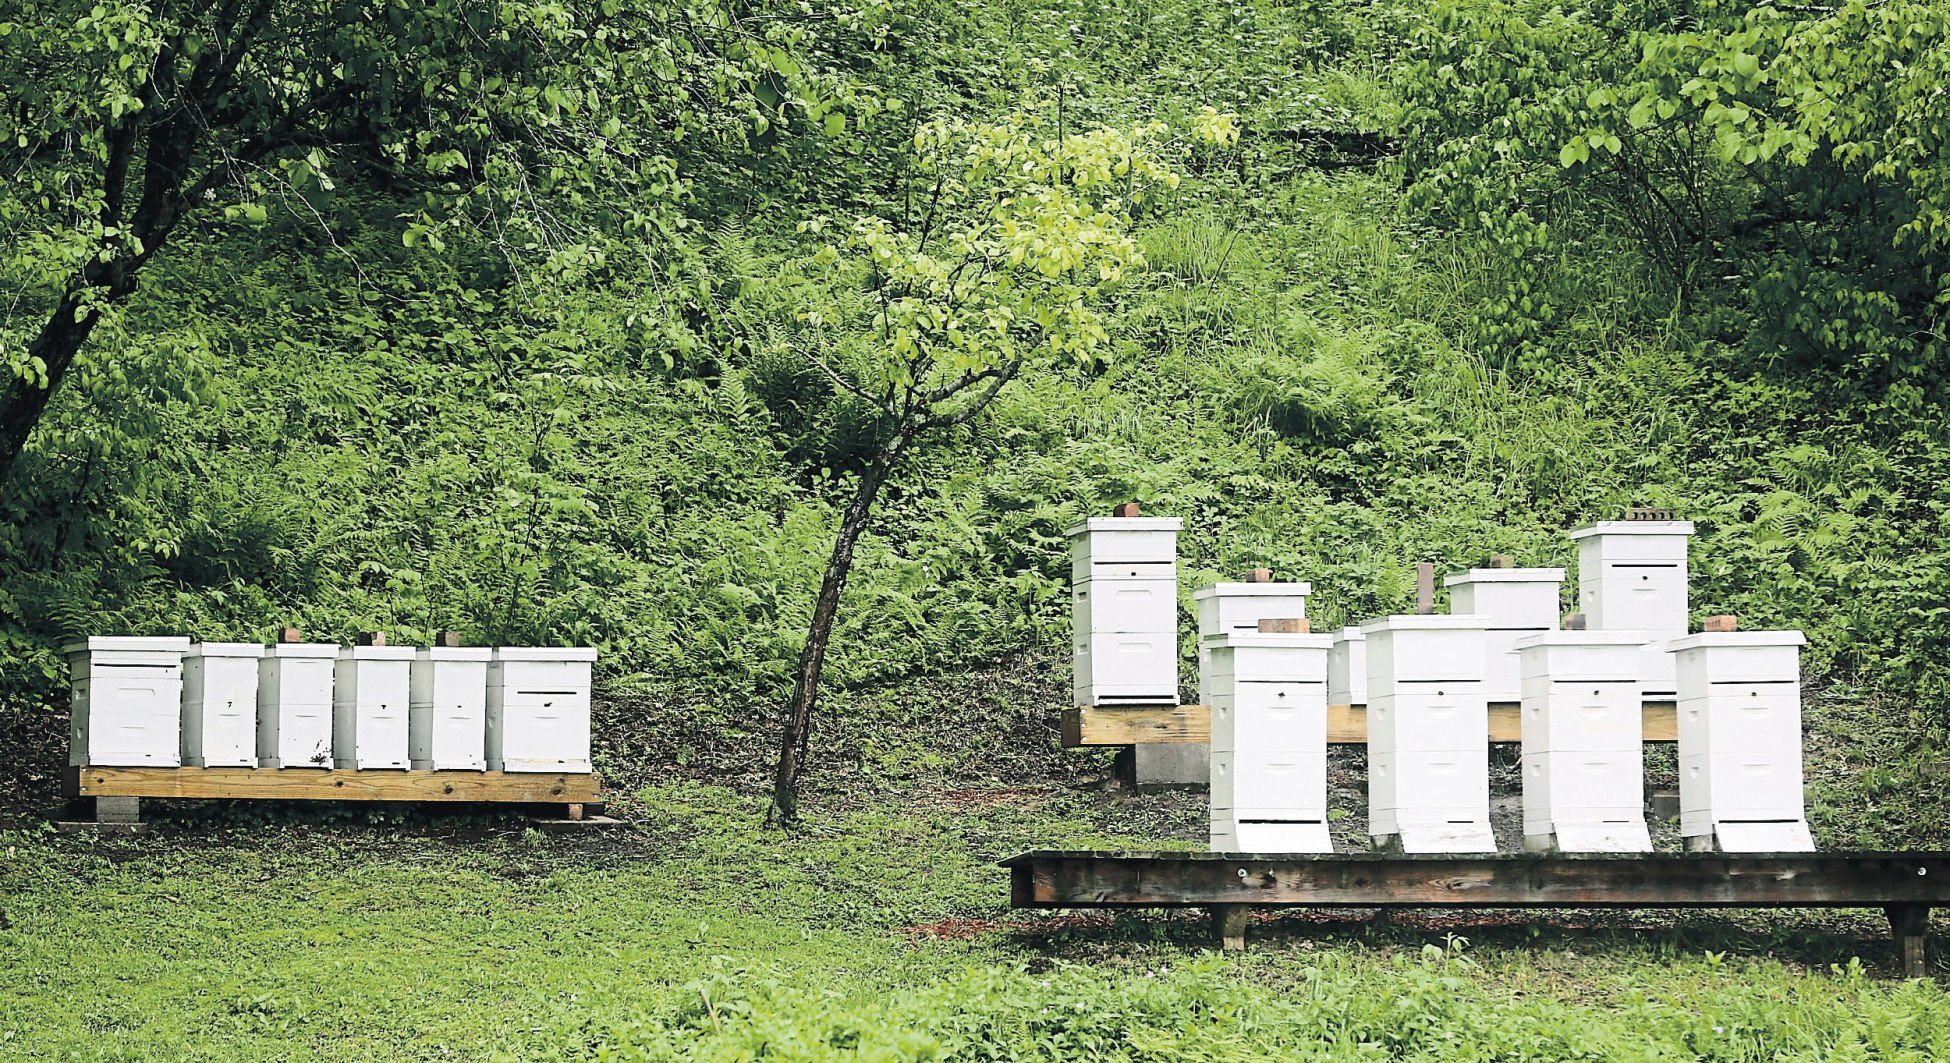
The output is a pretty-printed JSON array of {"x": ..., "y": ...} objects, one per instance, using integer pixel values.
[
  {"x": 227, "y": 649},
  {"x": 1587, "y": 637},
  {"x": 1504, "y": 575},
  {"x": 129, "y": 644},
  {"x": 1711, "y": 639},
  {"x": 302, "y": 649},
  {"x": 1350, "y": 633},
  {"x": 455, "y": 653},
  {"x": 376, "y": 653},
  {"x": 1425, "y": 622},
  {"x": 1272, "y": 639},
  {"x": 1127, "y": 524},
  {"x": 544, "y": 653},
  {"x": 1635, "y": 527},
  {"x": 1294, "y": 589}
]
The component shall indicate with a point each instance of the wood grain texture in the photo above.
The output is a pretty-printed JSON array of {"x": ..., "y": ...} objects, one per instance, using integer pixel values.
[
  {"x": 318, "y": 784},
  {"x": 1096, "y": 880},
  {"x": 1346, "y": 724}
]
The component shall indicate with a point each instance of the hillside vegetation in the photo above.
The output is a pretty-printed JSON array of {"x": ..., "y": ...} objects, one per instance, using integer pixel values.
[{"x": 1474, "y": 273}]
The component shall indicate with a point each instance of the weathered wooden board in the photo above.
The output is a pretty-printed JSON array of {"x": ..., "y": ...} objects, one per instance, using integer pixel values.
[
  {"x": 1666, "y": 880},
  {"x": 1126, "y": 725},
  {"x": 319, "y": 784}
]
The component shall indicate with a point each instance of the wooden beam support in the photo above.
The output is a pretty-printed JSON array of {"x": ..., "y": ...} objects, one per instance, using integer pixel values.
[
  {"x": 1908, "y": 884},
  {"x": 1911, "y": 925},
  {"x": 337, "y": 785},
  {"x": 1229, "y": 925},
  {"x": 1346, "y": 724}
]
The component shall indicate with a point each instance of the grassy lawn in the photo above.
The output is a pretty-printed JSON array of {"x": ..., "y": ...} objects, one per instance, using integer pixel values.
[{"x": 870, "y": 932}]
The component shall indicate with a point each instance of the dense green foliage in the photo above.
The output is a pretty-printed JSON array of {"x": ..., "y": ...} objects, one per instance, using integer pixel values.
[{"x": 1676, "y": 254}]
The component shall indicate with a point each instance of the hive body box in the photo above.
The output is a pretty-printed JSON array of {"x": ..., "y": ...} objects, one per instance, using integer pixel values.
[
  {"x": 1518, "y": 602},
  {"x": 1428, "y": 734},
  {"x": 1237, "y": 608},
  {"x": 1740, "y": 741},
  {"x": 1347, "y": 668},
  {"x": 1124, "y": 610},
  {"x": 1583, "y": 743},
  {"x": 1632, "y": 577},
  {"x": 294, "y": 705},
  {"x": 220, "y": 704},
  {"x": 370, "y": 686},
  {"x": 538, "y": 709},
  {"x": 1269, "y": 742},
  {"x": 447, "y": 709},
  {"x": 126, "y": 701}
]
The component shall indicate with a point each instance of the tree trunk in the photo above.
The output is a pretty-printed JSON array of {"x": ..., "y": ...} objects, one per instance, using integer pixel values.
[
  {"x": 23, "y": 401},
  {"x": 812, "y": 658}
]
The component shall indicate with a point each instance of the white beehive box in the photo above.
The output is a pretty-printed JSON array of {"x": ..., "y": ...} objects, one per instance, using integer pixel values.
[
  {"x": 1124, "y": 610},
  {"x": 1428, "y": 734},
  {"x": 1269, "y": 741},
  {"x": 1228, "y": 608},
  {"x": 538, "y": 708},
  {"x": 1347, "y": 668},
  {"x": 220, "y": 704},
  {"x": 1583, "y": 742},
  {"x": 294, "y": 705},
  {"x": 1740, "y": 772},
  {"x": 371, "y": 686},
  {"x": 126, "y": 703},
  {"x": 1518, "y": 602},
  {"x": 447, "y": 709},
  {"x": 1632, "y": 577}
]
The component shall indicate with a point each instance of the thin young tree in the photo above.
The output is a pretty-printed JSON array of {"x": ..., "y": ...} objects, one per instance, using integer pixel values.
[{"x": 997, "y": 273}]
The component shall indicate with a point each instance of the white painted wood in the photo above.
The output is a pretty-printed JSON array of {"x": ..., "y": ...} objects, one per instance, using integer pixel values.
[
  {"x": 1269, "y": 784},
  {"x": 1124, "y": 619},
  {"x": 447, "y": 709},
  {"x": 294, "y": 705},
  {"x": 1739, "y": 733},
  {"x": 219, "y": 707},
  {"x": 538, "y": 709},
  {"x": 1518, "y": 602},
  {"x": 1347, "y": 668},
  {"x": 125, "y": 703},
  {"x": 371, "y": 688},
  {"x": 1109, "y": 606},
  {"x": 1249, "y": 836}
]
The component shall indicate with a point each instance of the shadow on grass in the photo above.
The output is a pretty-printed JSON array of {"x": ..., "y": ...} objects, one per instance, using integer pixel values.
[{"x": 1802, "y": 939}]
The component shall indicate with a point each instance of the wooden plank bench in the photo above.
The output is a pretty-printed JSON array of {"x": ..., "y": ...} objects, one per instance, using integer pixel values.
[
  {"x": 117, "y": 792},
  {"x": 1124, "y": 725},
  {"x": 1905, "y": 885}
]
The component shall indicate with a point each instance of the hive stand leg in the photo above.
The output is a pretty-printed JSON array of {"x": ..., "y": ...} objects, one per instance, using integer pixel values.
[
  {"x": 574, "y": 809},
  {"x": 1229, "y": 922},
  {"x": 118, "y": 809},
  {"x": 1911, "y": 925}
]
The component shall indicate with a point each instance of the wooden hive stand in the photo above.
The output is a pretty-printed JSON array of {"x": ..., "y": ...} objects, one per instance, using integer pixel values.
[{"x": 116, "y": 793}]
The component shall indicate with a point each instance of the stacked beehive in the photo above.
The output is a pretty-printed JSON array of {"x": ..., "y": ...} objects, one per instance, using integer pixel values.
[
  {"x": 1583, "y": 742},
  {"x": 1268, "y": 694},
  {"x": 1237, "y": 608},
  {"x": 167, "y": 702},
  {"x": 1740, "y": 741},
  {"x": 1517, "y": 602},
  {"x": 1428, "y": 734},
  {"x": 1124, "y": 610},
  {"x": 1632, "y": 577},
  {"x": 126, "y": 702}
]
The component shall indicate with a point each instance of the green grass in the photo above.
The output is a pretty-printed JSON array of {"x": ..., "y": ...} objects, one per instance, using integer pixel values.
[{"x": 881, "y": 931}]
